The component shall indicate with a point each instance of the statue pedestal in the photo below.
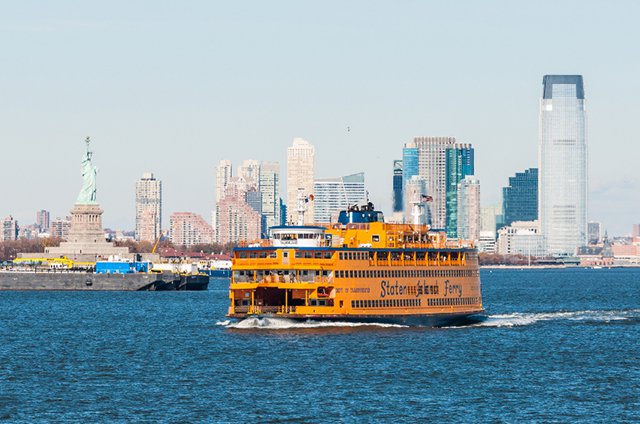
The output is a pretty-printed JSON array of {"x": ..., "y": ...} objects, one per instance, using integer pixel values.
[
  {"x": 86, "y": 237},
  {"x": 86, "y": 224}
]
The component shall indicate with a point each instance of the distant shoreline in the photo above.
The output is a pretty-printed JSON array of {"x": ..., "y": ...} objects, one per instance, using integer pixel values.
[{"x": 553, "y": 266}]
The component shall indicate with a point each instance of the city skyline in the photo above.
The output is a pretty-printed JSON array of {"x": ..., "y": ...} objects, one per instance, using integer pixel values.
[{"x": 357, "y": 115}]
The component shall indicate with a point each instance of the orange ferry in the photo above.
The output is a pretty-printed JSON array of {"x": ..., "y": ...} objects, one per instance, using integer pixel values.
[{"x": 358, "y": 269}]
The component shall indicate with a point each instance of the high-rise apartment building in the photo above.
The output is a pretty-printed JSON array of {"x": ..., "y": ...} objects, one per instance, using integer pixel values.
[
  {"x": 333, "y": 195},
  {"x": 43, "y": 220},
  {"x": 60, "y": 228},
  {"x": 250, "y": 171},
  {"x": 300, "y": 174},
  {"x": 270, "y": 191},
  {"x": 489, "y": 217},
  {"x": 148, "y": 208},
  {"x": 459, "y": 162},
  {"x": 468, "y": 209},
  {"x": 236, "y": 220},
  {"x": 397, "y": 186},
  {"x": 432, "y": 166},
  {"x": 562, "y": 160},
  {"x": 224, "y": 172},
  {"x": 188, "y": 229},
  {"x": 520, "y": 197},
  {"x": 9, "y": 229}
]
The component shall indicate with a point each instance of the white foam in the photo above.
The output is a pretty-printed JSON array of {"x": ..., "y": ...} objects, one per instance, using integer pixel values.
[
  {"x": 517, "y": 319},
  {"x": 285, "y": 324},
  {"x": 223, "y": 323}
]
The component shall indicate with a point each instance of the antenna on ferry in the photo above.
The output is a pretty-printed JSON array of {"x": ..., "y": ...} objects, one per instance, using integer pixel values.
[
  {"x": 302, "y": 205},
  {"x": 416, "y": 212}
]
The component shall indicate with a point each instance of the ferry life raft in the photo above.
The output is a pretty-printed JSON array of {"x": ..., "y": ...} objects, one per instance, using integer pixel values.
[{"x": 358, "y": 269}]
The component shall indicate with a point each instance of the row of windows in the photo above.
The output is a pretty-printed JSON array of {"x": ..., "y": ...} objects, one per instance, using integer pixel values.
[
  {"x": 405, "y": 273},
  {"x": 327, "y": 254},
  {"x": 408, "y": 256},
  {"x": 453, "y": 301},
  {"x": 386, "y": 303}
]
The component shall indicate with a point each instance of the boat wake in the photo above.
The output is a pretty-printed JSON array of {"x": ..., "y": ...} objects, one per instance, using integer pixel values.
[
  {"x": 286, "y": 324},
  {"x": 518, "y": 319}
]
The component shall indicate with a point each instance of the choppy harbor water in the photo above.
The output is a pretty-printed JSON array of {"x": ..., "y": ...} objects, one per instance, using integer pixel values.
[{"x": 558, "y": 346}]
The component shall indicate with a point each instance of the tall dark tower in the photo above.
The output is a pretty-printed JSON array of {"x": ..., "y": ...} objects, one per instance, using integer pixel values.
[{"x": 397, "y": 186}]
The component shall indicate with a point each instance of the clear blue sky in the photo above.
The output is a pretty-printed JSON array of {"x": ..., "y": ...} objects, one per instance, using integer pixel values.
[{"x": 173, "y": 87}]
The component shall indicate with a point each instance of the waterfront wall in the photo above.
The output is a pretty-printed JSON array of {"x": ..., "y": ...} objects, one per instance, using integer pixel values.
[{"x": 79, "y": 281}]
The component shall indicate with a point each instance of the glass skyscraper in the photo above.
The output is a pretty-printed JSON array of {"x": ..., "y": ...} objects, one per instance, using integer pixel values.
[
  {"x": 332, "y": 195},
  {"x": 397, "y": 186},
  {"x": 459, "y": 164},
  {"x": 520, "y": 197},
  {"x": 562, "y": 159}
]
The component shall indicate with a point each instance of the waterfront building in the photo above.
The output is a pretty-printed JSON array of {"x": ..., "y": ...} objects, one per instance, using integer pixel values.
[
  {"x": 29, "y": 232},
  {"x": 397, "y": 205},
  {"x": 459, "y": 163},
  {"x": 562, "y": 157},
  {"x": 43, "y": 220},
  {"x": 594, "y": 233},
  {"x": 635, "y": 230},
  {"x": 60, "y": 227},
  {"x": 416, "y": 192},
  {"x": 300, "y": 174},
  {"x": 468, "y": 209},
  {"x": 10, "y": 229},
  {"x": 332, "y": 195},
  {"x": 188, "y": 229},
  {"x": 269, "y": 184},
  {"x": 224, "y": 172},
  {"x": 432, "y": 167},
  {"x": 236, "y": 220},
  {"x": 148, "y": 208},
  {"x": 487, "y": 242},
  {"x": 521, "y": 238},
  {"x": 520, "y": 197}
]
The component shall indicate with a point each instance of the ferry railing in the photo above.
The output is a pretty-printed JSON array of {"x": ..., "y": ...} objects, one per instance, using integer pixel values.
[{"x": 283, "y": 279}]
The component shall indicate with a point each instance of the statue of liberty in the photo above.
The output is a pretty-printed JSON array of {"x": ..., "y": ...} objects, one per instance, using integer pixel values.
[{"x": 88, "y": 192}]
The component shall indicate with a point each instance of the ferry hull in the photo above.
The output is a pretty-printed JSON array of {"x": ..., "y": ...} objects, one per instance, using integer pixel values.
[{"x": 432, "y": 320}]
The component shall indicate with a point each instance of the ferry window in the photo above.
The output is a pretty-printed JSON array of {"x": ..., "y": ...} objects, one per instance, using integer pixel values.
[
  {"x": 340, "y": 256},
  {"x": 298, "y": 254},
  {"x": 375, "y": 238},
  {"x": 317, "y": 255},
  {"x": 285, "y": 254},
  {"x": 327, "y": 255},
  {"x": 325, "y": 273},
  {"x": 308, "y": 255},
  {"x": 242, "y": 255},
  {"x": 273, "y": 254},
  {"x": 253, "y": 255},
  {"x": 263, "y": 254},
  {"x": 353, "y": 303}
]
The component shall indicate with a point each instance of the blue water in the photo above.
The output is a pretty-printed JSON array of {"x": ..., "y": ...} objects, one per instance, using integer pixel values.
[{"x": 558, "y": 346}]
